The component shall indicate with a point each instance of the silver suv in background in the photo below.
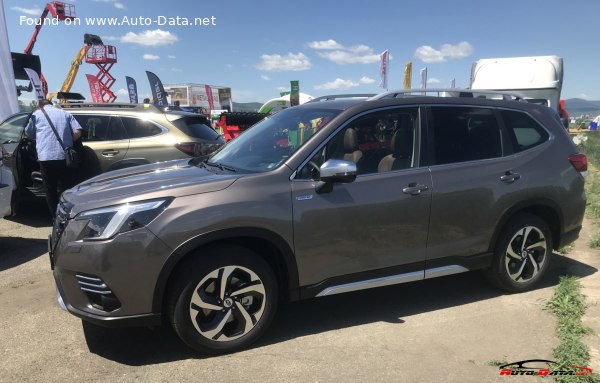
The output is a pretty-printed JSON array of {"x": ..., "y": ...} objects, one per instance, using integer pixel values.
[
  {"x": 115, "y": 136},
  {"x": 320, "y": 199}
]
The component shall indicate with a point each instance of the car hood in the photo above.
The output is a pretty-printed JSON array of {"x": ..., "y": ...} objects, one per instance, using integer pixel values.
[{"x": 164, "y": 179}]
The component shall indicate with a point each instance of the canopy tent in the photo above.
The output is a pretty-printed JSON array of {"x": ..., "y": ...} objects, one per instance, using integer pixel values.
[{"x": 279, "y": 103}]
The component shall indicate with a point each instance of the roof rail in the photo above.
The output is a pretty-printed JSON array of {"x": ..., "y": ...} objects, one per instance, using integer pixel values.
[
  {"x": 110, "y": 105},
  {"x": 339, "y": 96},
  {"x": 450, "y": 92}
]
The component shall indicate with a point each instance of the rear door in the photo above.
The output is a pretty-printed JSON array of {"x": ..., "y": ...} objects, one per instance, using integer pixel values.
[{"x": 105, "y": 142}]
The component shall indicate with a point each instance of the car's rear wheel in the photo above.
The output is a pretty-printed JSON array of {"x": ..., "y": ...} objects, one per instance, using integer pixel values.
[
  {"x": 522, "y": 254},
  {"x": 224, "y": 300}
]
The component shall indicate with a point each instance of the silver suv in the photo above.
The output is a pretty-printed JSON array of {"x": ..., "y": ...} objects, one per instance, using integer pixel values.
[{"x": 320, "y": 199}]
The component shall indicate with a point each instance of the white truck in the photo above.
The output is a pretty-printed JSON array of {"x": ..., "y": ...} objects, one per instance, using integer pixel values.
[{"x": 537, "y": 79}]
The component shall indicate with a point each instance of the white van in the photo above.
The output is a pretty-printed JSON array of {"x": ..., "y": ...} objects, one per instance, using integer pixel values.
[{"x": 537, "y": 79}]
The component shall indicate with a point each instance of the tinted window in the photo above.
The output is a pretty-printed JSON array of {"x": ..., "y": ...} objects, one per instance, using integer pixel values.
[
  {"x": 377, "y": 142},
  {"x": 464, "y": 134},
  {"x": 100, "y": 128},
  {"x": 524, "y": 131},
  {"x": 137, "y": 128},
  {"x": 196, "y": 127},
  {"x": 10, "y": 130}
]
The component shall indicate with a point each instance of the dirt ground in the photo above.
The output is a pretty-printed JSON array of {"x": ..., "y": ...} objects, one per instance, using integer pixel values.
[{"x": 448, "y": 329}]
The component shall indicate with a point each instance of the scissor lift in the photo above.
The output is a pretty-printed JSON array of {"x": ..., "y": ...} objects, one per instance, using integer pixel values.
[{"x": 104, "y": 57}]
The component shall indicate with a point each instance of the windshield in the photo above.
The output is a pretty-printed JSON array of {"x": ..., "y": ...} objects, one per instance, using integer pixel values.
[{"x": 271, "y": 141}]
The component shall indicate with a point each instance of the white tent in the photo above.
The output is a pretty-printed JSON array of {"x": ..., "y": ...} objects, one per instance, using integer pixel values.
[
  {"x": 8, "y": 90},
  {"x": 276, "y": 104}
]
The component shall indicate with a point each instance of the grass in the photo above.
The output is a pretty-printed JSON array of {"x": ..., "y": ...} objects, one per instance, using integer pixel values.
[
  {"x": 568, "y": 304},
  {"x": 591, "y": 148}
]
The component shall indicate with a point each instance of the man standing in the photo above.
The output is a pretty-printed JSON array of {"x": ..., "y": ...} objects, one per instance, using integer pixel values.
[{"x": 49, "y": 151}]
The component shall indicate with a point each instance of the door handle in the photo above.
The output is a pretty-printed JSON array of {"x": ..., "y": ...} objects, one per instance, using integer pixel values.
[
  {"x": 414, "y": 189},
  {"x": 110, "y": 153},
  {"x": 510, "y": 177}
]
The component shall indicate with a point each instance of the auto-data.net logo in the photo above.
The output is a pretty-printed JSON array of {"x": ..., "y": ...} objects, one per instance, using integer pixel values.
[{"x": 540, "y": 367}]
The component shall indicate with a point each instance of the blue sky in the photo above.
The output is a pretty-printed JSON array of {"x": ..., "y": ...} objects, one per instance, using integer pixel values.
[{"x": 257, "y": 47}]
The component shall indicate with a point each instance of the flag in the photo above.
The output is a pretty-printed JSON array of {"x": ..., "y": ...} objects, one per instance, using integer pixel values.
[
  {"x": 132, "y": 90},
  {"x": 383, "y": 69},
  {"x": 95, "y": 88},
  {"x": 211, "y": 100},
  {"x": 8, "y": 88},
  {"x": 158, "y": 91},
  {"x": 294, "y": 93},
  {"x": 424, "y": 78},
  {"x": 408, "y": 75},
  {"x": 35, "y": 83}
]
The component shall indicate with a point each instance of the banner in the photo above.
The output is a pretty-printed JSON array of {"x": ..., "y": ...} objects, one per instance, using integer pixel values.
[
  {"x": 209, "y": 95},
  {"x": 158, "y": 92},
  {"x": 424, "y": 78},
  {"x": 95, "y": 89},
  {"x": 294, "y": 93},
  {"x": 453, "y": 83},
  {"x": 408, "y": 75},
  {"x": 36, "y": 83},
  {"x": 132, "y": 90},
  {"x": 8, "y": 87},
  {"x": 383, "y": 69},
  {"x": 225, "y": 98}
]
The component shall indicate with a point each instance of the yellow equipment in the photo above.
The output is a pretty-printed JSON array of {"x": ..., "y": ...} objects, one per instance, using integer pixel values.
[{"x": 64, "y": 95}]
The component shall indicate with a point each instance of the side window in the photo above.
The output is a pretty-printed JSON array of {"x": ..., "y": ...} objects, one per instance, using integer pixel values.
[
  {"x": 463, "y": 134},
  {"x": 137, "y": 128},
  {"x": 11, "y": 130},
  {"x": 100, "y": 128},
  {"x": 524, "y": 131},
  {"x": 377, "y": 142}
]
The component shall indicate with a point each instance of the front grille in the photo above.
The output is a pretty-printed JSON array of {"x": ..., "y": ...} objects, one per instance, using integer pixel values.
[{"x": 97, "y": 292}]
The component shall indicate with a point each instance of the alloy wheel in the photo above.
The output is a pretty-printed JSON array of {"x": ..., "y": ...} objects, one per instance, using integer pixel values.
[{"x": 526, "y": 254}]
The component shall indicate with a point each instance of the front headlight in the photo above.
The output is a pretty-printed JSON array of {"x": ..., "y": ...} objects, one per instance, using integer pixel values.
[{"x": 105, "y": 222}]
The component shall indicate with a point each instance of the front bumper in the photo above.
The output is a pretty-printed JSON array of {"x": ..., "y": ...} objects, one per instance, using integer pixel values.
[{"x": 110, "y": 283}]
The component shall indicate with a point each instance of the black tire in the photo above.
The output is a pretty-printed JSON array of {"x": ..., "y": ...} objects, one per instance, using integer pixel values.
[
  {"x": 231, "y": 320},
  {"x": 517, "y": 267}
]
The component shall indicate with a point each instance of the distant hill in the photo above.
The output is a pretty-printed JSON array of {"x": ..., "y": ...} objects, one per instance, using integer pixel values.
[
  {"x": 246, "y": 106},
  {"x": 577, "y": 107}
]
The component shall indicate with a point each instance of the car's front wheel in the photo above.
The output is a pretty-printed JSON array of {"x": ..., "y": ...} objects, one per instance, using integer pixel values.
[
  {"x": 522, "y": 254},
  {"x": 224, "y": 300}
]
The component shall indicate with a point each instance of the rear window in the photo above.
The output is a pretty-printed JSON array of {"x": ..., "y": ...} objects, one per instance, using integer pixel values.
[
  {"x": 523, "y": 130},
  {"x": 137, "y": 128},
  {"x": 196, "y": 127}
]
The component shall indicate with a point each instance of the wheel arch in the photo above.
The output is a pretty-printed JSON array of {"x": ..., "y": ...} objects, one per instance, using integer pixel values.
[
  {"x": 267, "y": 244},
  {"x": 545, "y": 209}
]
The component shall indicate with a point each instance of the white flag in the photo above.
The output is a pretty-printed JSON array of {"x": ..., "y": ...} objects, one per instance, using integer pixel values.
[
  {"x": 424, "y": 78},
  {"x": 383, "y": 69},
  {"x": 35, "y": 82}
]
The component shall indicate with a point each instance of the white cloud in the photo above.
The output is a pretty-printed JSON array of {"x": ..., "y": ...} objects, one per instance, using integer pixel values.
[
  {"x": 433, "y": 80},
  {"x": 153, "y": 38},
  {"x": 428, "y": 54},
  {"x": 325, "y": 44},
  {"x": 122, "y": 92},
  {"x": 281, "y": 89},
  {"x": 582, "y": 95},
  {"x": 150, "y": 57},
  {"x": 117, "y": 4},
  {"x": 266, "y": 78},
  {"x": 277, "y": 63},
  {"x": 338, "y": 83},
  {"x": 340, "y": 54},
  {"x": 178, "y": 70},
  {"x": 230, "y": 66},
  {"x": 28, "y": 11},
  {"x": 366, "y": 80},
  {"x": 172, "y": 57}
]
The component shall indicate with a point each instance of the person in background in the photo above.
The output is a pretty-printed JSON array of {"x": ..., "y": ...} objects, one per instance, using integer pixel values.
[{"x": 50, "y": 153}]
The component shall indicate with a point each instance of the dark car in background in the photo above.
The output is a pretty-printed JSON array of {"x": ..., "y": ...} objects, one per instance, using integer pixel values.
[{"x": 115, "y": 136}]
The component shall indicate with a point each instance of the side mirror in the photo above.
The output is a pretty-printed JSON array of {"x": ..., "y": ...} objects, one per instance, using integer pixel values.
[{"x": 333, "y": 171}]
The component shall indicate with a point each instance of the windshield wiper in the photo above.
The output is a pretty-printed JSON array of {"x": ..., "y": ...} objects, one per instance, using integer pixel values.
[{"x": 220, "y": 166}]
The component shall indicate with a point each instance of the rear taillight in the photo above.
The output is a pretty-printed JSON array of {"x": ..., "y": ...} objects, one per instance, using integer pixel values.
[
  {"x": 579, "y": 162},
  {"x": 190, "y": 148}
]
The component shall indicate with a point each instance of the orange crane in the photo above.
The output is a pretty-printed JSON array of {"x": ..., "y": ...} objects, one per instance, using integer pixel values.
[
  {"x": 58, "y": 10},
  {"x": 88, "y": 41}
]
